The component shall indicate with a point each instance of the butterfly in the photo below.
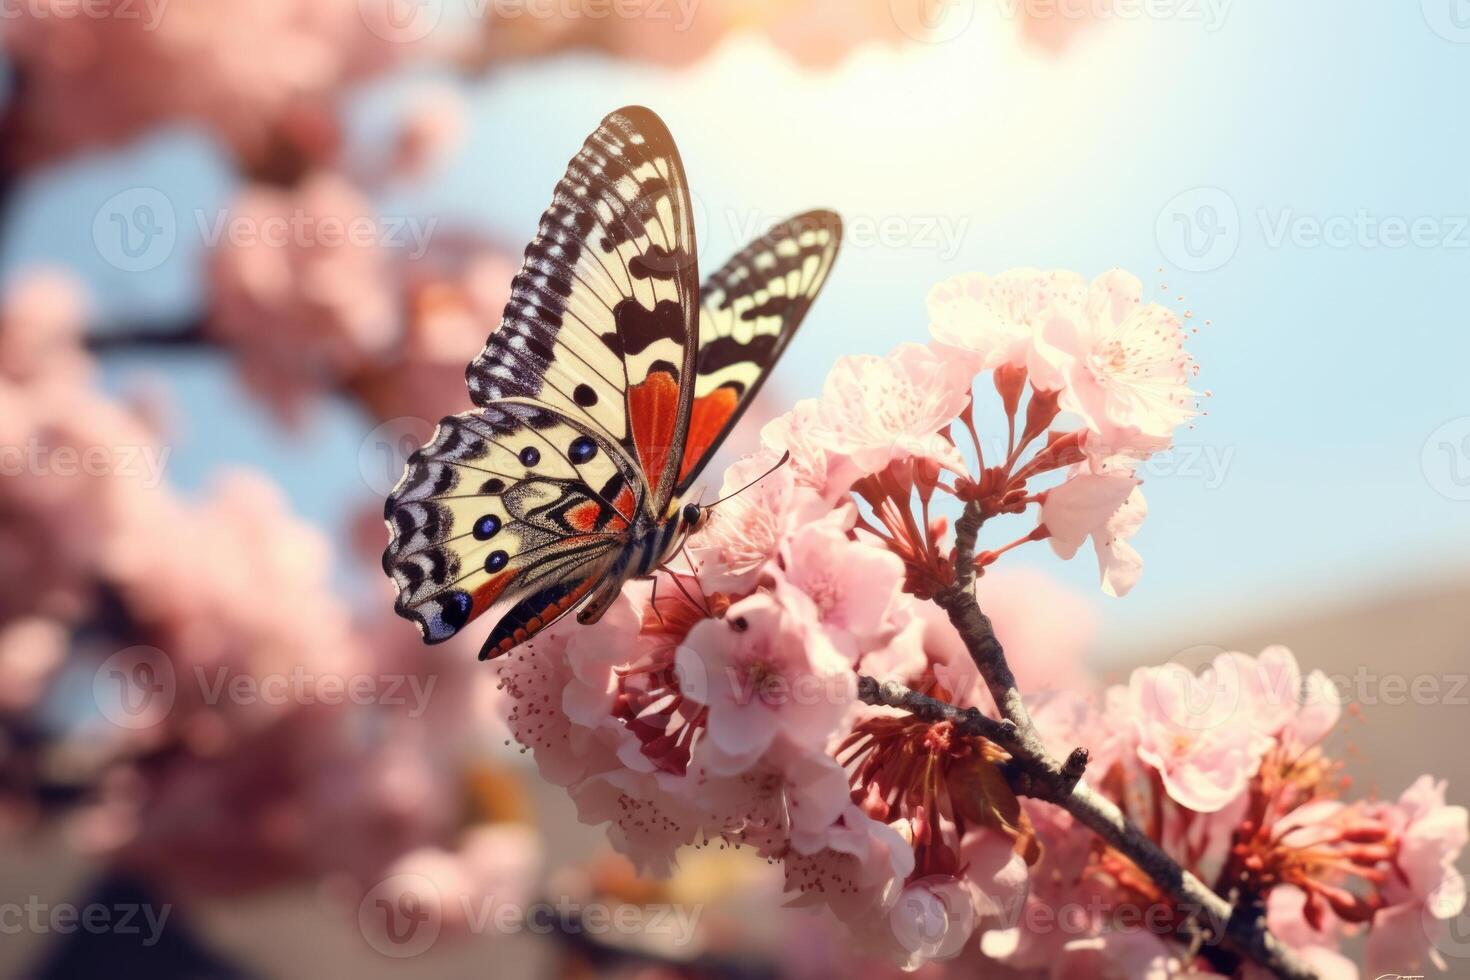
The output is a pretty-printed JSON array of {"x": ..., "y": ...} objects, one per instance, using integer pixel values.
[{"x": 607, "y": 387}]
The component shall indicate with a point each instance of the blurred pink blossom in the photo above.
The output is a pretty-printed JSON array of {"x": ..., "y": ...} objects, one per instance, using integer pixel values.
[
  {"x": 303, "y": 302},
  {"x": 812, "y": 32},
  {"x": 260, "y": 74},
  {"x": 453, "y": 298},
  {"x": 432, "y": 128}
]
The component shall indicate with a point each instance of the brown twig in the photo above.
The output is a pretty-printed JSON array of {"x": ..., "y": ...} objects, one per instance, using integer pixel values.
[{"x": 1036, "y": 773}]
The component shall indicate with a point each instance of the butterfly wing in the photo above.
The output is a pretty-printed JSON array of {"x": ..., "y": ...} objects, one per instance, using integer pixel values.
[
  {"x": 750, "y": 311},
  {"x": 513, "y": 510},
  {"x": 602, "y": 323}
]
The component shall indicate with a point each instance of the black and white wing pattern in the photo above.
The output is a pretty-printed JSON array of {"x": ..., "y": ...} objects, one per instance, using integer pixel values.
[
  {"x": 751, "y": 308},
  {"x": 602, "y": 324},
  {"x": 512, "y": 510}
]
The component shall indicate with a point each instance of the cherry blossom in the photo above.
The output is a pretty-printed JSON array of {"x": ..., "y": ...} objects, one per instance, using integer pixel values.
[
  {"x": 1124, "y": 367},
  {"x": 812, "y": 464},
  {"x": 1083, "y": 507},
  {"x": 1191, "y": 729},
  {"x": 767, "y": 672},
  {"x": 875, "y": 410},
  {"x": 999, "y": 318},
  {"x": 852, "y": 586},
  {"x": 1427, "y": 891},
  {"x": 745, "y": 531}
]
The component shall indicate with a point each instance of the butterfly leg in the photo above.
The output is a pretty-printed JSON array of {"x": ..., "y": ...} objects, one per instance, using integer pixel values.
[
  {"x": 653, "y": 601},
  {"x": 603, "y": 596},
  {"x": 693, "y": 574}
]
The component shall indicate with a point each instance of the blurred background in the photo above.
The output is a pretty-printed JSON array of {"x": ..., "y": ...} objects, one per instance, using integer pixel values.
[{"x": 247, "y": 247}]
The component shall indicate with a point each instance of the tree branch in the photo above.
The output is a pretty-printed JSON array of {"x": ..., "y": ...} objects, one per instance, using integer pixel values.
[
  {"x": 1036, "y": 773},
  {"x": 133, "y": 337}
]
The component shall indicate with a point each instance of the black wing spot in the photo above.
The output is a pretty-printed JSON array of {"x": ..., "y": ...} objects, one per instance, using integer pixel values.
[
  {"x": 456, "y": 609},
  {"x": 581, "y": 450}
]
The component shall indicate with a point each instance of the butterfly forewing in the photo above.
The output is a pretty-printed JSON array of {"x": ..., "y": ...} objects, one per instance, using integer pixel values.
[
  {"x": 601, "y": 325},
  {"x": 751, "y": 308}
]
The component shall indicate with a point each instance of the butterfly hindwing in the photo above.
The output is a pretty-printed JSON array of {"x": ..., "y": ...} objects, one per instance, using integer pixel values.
[
  {"x": 602, "y": 321},
  {"x": 751, "y": 308},
  {"x": 509, "y": 509}
]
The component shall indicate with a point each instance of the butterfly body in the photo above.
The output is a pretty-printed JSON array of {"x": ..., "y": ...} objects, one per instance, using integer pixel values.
[{"x": 607, "y": 387}]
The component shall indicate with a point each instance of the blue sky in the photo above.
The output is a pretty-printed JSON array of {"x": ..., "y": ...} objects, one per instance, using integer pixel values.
[{"x": 1265, "y": 161}]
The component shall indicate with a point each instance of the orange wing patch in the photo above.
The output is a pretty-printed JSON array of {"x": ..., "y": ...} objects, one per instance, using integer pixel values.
[
  {"x": 624, "y": 505},
  {"x": 583, "y": 517},
  {"x": 653, "y": 408},
  {"x": 706, "y": 422},
  {"x": 490, "y": 590}
]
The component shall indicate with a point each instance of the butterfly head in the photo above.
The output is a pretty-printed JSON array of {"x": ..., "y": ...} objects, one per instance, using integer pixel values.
[{"x": 692, "y": 515}]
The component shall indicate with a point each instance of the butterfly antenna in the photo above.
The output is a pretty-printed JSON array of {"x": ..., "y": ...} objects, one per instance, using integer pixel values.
[{"x": 785, "y": 457}]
